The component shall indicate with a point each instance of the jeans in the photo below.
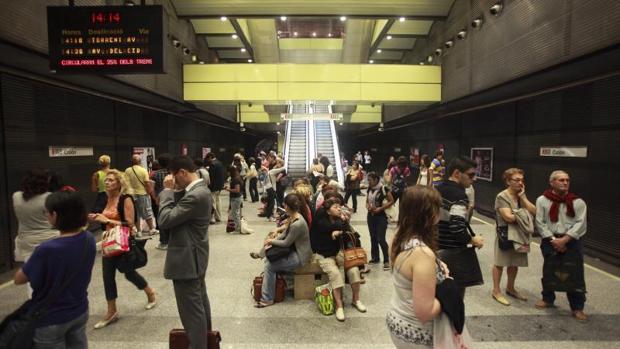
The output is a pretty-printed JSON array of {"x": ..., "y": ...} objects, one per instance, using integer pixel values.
[
  {"x": 271, "y": 197},
  {"x": 70, "y": 335},
  {"x": 254, "y": 189},
  {"x": 351, "y": 193},
  {"x": 576, "y": 300},
  {"x": 235, "y": 212},
  {"x": 109, "y": 265},
  {"x": 377, "y": 226},
  {"x": 288, "y": 264}
]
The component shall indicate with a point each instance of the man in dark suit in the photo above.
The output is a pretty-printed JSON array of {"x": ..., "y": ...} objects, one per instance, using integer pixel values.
[
  {"x": 185, "y": 210},
  {"x": 217, "y": 173}
]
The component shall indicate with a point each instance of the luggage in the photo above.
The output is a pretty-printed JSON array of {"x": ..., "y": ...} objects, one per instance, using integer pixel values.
[
  {"x": 257, "y": 286},
  {"x": 178, "y": 339}
]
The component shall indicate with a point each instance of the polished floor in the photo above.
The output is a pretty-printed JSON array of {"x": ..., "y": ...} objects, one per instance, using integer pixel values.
[{"x": 298, "y": 324}]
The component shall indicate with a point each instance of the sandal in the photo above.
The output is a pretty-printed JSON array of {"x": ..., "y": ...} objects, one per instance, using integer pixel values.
[
  {"x": 500, "y": 299},
  {"x": 516, "y": 295},
  {"x": 262, "y": 304}
]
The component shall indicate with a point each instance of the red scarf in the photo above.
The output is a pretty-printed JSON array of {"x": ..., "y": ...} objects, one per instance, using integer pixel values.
[{"x": 557, "y": 200}]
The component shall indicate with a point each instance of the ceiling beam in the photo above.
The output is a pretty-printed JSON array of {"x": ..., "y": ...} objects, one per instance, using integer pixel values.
[
  {"x": 243, "y": 39},
  {"x": 382, "y": 35},
  {"x": 375, "y": 16}
]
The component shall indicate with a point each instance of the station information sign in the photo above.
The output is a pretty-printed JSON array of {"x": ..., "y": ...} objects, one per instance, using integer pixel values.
[{"x": 105, "y": 39}]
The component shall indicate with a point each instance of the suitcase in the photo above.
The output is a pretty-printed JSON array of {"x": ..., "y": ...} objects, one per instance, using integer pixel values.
[
  {"x": 178, "y": 339},
  {"x": 257, "y": 286}
]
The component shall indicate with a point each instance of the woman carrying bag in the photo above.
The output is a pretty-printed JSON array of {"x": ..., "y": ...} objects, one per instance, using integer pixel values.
[{"x": 119, "y": 211}]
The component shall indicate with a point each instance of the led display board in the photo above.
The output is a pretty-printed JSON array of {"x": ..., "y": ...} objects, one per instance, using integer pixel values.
[{"x": 105, "y": 39}]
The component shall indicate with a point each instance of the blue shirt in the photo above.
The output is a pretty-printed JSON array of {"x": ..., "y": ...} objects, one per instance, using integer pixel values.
[{"x": 49, "y": 266}]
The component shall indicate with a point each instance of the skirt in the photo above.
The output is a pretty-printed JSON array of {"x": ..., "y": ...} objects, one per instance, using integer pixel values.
[{"x": 510, "y": 258}]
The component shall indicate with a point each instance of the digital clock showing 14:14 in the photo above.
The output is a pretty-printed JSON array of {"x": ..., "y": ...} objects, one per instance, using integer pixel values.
[{"x": 105, "y": 17}]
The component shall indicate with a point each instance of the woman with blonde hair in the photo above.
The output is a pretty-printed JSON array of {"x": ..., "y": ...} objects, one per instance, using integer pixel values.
[
  {"x": 416, "y": 271},
  {"x": 97, "y": 182},
  {"x": 119, "y": 209}
]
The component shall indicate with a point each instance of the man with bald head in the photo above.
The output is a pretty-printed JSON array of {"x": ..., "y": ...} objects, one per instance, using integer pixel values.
[{"x": 142, "y": 190}]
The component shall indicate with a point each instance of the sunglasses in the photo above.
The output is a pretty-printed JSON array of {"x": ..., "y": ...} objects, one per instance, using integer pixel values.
[{"x": 471, "y": 175}]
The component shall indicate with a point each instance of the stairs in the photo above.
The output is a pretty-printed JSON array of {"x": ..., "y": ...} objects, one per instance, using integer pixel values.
[{"x": 297, "y": 150}]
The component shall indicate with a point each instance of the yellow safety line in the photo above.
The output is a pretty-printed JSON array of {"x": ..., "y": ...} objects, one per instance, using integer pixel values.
[{"x": 586, "y": 264}]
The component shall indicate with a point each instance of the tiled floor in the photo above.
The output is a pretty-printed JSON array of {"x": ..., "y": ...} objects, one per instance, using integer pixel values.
[{"x": 298, "y": 324}]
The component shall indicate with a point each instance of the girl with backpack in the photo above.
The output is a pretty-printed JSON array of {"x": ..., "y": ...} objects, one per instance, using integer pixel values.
[{"x": 399, "y": 175}]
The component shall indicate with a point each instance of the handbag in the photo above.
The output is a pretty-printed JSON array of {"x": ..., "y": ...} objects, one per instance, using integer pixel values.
[
  {"x": 257, "y": 288},
  {"x": 115, "y": 242},
  {"x": 463, "y": 264},
  {"x": 446, "y": 337},
  {"x": 135, "y": 258},
  {"x": 177, "y": 339},
  {"x": 502, "y": 239},
  {"x": 324, "y": 299},
  {"x": 563, "y": 272},
  {"x": 275, "y": 253},
  {"x": 354, "y": 256},
  {"x": 17, "y": 329}
]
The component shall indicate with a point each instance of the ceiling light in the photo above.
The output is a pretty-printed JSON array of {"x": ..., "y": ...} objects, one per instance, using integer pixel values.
[
  {"x": 201, "y": 62},
  {"x": 341, "y": 124},
  {"x": 243, "y": 50},
  {"x": 279, "y": 32},
  {"x": 329, "y": 34},
  {"x": 461, "y": 34},
  {"x": 449, "y": 43},
  {"x": 379, "y": 51},
  {"x": 477, "y": 23},
  {"x": 277, "y": 124},
  {"x": 314, "y": 34},
  {"x": 283, "y": 18},
  {"x": 295, "y": 34},
  {"x": 186, "y": 51},
  {"x": 176, "y": 43},
  {"x": 343, "y": 18},
  {"x": 129, "y": 3},
  {"x": 223, "y": 18},
  {"x": 278, "y": 132},
  {"x": 438, "y": 52},
  {"x": 250, "y": 61},
  {"x": 371, "y": 61},
  {"x": 401, "y": 19},
  {"x": 194, "y": 58},
  {"x": 497, "y": 8},
  {"x": 421, "y": 63},
  {"x": 234, "y": 36},
  {"x": 429, "y": 59},
  {"x": 389, "y": 37}
]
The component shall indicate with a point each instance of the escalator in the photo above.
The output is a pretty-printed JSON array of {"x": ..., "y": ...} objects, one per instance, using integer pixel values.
[
  {"x": 297, "y": 144},
  {"x": 326, "y": 144}
]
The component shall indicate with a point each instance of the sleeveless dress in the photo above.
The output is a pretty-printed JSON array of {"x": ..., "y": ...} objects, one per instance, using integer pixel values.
[{"x": 401, "y": 320}]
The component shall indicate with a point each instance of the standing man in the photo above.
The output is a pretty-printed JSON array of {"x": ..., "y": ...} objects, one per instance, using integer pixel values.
[
  {"x": 186, "y": 214},
  {"x": 561, "y": 221},
  {"x": 453, "y": 225},
  {"x": 217, "y": 174},
  {"x": 140, "y": 184},
  {"x": 438, "y": 167},
  {"x": 367, "y": 161},
  {"x": 158, "y": 178}
]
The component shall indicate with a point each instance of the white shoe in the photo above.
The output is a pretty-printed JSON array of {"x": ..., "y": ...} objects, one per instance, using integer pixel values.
[
  {"x": 150, "y": 305},
  {"x": 104, "y": 323},
  {"x": 340, "y": 314},
  {"x": 359, "y": 306}
]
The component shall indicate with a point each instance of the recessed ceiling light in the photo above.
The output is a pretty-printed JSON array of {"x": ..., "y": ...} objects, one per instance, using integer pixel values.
[
  {"x": 294, "y": 33},
  {"x": 401, "y": 19},
  {"x": 341, "y": 124},
  {"x": 379, "y": 51},
  {"x": 330, "y": 35},
  {"x": 234, "y": 36},
  {"x": 343, "y": 18},
  {"x": 201, "y": 62},
  {"x": 249, "y": 61},
  {"x": 223, "y": 18},
  {"x": 277, "y": 124},
  {"x": 313, "y": 33},
  {"x": 371, "y": 61},
  {"x": 243, "y": 50},
  {"x": 283, "y": 18},
  {"x": 389, "y": 37}
]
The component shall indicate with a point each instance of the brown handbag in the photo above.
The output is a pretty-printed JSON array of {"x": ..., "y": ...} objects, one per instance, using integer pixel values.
[
  {"x": 354, "y": 256},
  {"x": 178, "y": 339},
  {"x": 257, "y": 286}
]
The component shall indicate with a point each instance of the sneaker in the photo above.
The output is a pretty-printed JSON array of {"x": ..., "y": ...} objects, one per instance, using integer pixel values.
[
  {"x": 340, "y": 314},
  {"x": 162, "y": 247},
  {"x": 359, "y": 306},
  {"x": 386, "y": 266}
]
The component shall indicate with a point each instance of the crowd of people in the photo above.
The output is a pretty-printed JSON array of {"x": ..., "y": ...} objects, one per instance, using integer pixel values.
[{"x": 432, "y": 255}]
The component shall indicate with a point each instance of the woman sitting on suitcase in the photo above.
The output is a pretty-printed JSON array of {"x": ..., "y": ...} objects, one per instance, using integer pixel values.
[
  {"x": 294, "y": 247},
  {"x": 328, "y": 228}
]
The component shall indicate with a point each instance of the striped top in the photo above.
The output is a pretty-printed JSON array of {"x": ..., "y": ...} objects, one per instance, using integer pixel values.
[{"x": 452, "y": 227}]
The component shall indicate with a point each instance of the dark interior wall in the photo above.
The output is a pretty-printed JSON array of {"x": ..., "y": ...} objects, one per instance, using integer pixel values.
[
  {"x": 35, "y": 115},
  {"x": 584, "y": 115}
]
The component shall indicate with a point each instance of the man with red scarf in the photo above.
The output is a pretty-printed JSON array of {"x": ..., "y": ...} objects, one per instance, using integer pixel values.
[{"x": 561, "y": 221}]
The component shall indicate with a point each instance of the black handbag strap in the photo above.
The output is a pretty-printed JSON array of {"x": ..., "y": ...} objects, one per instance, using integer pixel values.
[
  {"x": 139, "y": 180},
  {"x": 54, "y": 296}
]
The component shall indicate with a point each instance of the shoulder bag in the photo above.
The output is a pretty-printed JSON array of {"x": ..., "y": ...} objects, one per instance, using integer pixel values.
[
  {"x": 17, "y": 329},
  {"x": 148, "y": 186},
  {"x": 354, "y": 256},
  {"x": 463, "y": 264},
  {"x": 275, "y": 253},
  {"x": 135, "y": 258}
]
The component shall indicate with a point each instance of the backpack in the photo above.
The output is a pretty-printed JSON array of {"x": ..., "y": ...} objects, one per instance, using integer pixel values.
[{"x": 399, "y": 183}]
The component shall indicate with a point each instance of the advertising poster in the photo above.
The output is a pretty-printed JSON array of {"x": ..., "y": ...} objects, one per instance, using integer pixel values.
[
  {"x": 147, "y": 154},
  {"x": 205, "y": 151},
  {"x": 484, "y": 160},
  {"x": 414, "y": 156}
]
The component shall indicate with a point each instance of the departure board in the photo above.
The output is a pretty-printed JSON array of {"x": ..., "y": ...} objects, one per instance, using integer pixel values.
[{"x": 105, "y": 39}]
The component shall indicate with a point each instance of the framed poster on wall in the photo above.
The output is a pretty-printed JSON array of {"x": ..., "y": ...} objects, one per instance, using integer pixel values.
[
  {"x": 484, "y": 160},
  {"x": 147, "y": 154}
]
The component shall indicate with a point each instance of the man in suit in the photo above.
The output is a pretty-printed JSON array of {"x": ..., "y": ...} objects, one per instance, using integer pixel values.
[{"x": 185, "y": 210}]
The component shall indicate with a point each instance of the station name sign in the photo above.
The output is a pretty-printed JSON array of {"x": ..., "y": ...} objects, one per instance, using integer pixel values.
[
  {"x": 565, "y": 152},
  {"x": 105, "y": 39}
]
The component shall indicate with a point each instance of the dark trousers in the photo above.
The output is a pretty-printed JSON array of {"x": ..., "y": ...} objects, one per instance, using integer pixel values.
[
  {"x": 351, "y": 193},
  {"x": 271, "y": 197},
  {"x": 164, "y": 235},
  {"x": 377, "y": 226},
  {"x": 194, "y": 310},
  {"x": 254, "y": 189},
  {"x": 109, "y": 265},
  {"x": 577, "y": 300},
  {"x": 280, "y": 195},
  {"x": 243, "y": 191}
]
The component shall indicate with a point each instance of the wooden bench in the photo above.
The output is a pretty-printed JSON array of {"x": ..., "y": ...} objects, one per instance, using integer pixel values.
[{"x": 304, "y": 280}]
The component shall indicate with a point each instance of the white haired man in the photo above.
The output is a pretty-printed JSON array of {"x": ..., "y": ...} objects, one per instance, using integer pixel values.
[{"x": 561, "y": 221}]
